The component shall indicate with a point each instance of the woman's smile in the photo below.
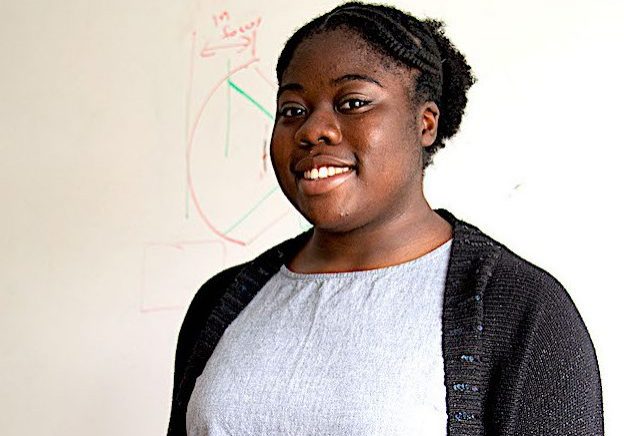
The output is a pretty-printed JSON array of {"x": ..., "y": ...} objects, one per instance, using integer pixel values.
[
  {"x": 321, "y": 173},
  {"x": 320, "y": 181},
  {"x": 324, "y": 172}
]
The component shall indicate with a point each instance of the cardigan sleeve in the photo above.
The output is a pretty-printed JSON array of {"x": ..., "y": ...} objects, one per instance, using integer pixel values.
[
  {"x": 561, "y": 391},
  {"x": 550, "y": 384},
  {"x": 195, "y": 319}
]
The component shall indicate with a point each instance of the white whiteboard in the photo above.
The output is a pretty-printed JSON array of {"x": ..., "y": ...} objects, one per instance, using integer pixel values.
[{"x": 134, "y": 166}]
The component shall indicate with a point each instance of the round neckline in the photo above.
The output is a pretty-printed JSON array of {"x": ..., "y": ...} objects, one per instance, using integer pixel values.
[{"x": 368, "y": 272}]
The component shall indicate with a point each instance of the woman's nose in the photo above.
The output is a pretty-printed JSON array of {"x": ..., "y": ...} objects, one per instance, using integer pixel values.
[{"x": 321, "y": 126}]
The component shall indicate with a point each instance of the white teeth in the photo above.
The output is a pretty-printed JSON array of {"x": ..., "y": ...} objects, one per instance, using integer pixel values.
[{"x": 324, "y": 172}]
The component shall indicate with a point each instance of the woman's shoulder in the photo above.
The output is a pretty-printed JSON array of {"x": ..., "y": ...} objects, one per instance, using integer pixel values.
[
  {"x": 526, "y": 307},
  {"x": 519, "y": 277},
  {"x": 517, "y": 295},
  {"x": 217, "y": 284},
  {"x": 506, "y": 273},
  {"x": 246, "y": 276},
  {"x": 520, "y": 285}
]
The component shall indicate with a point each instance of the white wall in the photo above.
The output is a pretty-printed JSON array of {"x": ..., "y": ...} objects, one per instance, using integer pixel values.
[{"x": 103, "y": 244}]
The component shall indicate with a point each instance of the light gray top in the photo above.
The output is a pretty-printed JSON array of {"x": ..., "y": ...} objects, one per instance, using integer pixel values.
[{"x": 355, "y": 353}]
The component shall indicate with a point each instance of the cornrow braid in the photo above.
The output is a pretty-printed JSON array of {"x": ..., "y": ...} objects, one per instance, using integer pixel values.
[{"x": 444, "y": 76}]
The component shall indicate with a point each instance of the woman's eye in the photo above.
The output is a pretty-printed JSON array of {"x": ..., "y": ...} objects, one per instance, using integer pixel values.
[
  {"x": 352, "y": 104},
  {"x": 291, "y": 111}
]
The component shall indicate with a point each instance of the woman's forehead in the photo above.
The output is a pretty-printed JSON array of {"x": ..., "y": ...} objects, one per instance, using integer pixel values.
[{"x": 331, "y": 52}]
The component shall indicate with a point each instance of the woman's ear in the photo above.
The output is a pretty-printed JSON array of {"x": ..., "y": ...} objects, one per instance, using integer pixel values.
[{"x": 429, "y": 114}]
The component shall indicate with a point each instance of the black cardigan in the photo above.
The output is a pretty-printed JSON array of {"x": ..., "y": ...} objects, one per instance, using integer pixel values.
[{"x": 518, "y": 359}]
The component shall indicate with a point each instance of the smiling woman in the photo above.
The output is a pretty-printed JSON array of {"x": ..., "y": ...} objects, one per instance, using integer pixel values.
[
  {"x": 388, "y": 317},
  {"x": 355, "y": 113}
]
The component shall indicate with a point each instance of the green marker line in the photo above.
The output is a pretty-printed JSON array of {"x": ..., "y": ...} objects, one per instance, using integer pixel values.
[
  {"x": 250, "y": 98},
  {"x": 250, "y": 211},
  {"x": 228, "y": 115}
]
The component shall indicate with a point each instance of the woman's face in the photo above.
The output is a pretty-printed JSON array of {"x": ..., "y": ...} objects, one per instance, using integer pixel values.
[{"x": 347, "y": 137}]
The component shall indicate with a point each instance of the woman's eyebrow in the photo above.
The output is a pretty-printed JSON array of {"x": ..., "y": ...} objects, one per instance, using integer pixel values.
[
  {"x": 341, "y": 79},
  {"x": 349, "y": 77},
  {"x": 289, "y": 87}
]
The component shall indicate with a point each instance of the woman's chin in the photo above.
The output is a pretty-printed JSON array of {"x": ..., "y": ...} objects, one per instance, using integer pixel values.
[{"x": 337, "y": 222}]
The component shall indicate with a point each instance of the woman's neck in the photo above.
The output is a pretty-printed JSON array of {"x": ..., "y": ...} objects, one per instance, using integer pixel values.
[{"x": 405, "y": 238}]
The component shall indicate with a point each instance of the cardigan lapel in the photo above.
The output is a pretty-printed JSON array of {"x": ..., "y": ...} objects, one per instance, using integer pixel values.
[{"x": 473, "y": 258}]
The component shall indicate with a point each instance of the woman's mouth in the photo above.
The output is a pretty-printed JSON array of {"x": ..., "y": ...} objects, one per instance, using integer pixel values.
[
  {"x": 324, "y": 172},
  {"x": 324, "y": 179}
]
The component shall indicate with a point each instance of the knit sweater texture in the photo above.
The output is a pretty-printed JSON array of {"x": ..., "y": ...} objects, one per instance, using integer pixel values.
[{"x": 518, "y": 359}]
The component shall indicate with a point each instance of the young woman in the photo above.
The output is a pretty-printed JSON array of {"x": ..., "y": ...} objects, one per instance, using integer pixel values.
[{"x": 388, "y": 317}]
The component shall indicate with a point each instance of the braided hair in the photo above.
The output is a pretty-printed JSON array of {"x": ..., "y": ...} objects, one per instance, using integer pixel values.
[{"x": 444, "y": 76}]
